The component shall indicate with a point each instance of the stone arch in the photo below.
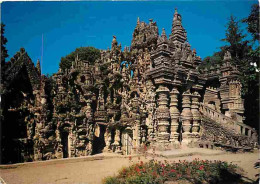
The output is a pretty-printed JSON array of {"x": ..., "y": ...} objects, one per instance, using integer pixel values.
[
  {"x": 65, "y": 137},
  {"x": 127, "y": 141},
  {"x": 134, "y": 93}
]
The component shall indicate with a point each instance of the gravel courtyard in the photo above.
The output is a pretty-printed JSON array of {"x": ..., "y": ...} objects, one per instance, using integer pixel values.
[{"x": 91, "y": 170}]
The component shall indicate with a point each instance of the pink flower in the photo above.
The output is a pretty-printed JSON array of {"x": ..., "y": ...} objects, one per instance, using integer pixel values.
[
  {"x": 173, "y": 170},
  {"x": 201, "y": 167}
]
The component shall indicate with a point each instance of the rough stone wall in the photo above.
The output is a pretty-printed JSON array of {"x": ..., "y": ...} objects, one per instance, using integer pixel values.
[{"x": 150, "y": 93}]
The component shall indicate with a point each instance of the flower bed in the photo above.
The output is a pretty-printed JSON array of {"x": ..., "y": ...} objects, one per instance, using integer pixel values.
[{"x": 197, "y": 171}]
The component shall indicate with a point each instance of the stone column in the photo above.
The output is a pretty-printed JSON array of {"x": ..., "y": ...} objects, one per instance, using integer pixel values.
[
  {"x": 195, "y": 116},
  {"x": 163, "y": 114},
  {"x": 186, "y": 117},
  {"x": 175, "y": 114},
  {"x": 108, "y": 139},
  {"x": 117, "y": 143},
  {"x": 138, "y": 132},
  {"x": 243, "y": 130},
  {"x": 249, "y": 133}
]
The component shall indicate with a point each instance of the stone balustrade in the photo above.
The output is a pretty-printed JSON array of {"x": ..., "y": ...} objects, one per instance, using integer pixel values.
[{"x": 227, "y": 121}]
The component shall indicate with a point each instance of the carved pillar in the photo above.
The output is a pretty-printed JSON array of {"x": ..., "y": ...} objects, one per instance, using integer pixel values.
[
  {"x": 138, "y": 133},
  {"x": 150, "y": 106},
  {"x": 243, "y": 130},
  {"x": 249, "y": 134},
  {"x": 163, "y": 114},
  {"x": 108, "y": 139},
  {"x": 195, "y": 115},
  {"x": 186, "y": 117},
  {"x": 175, "y": 114},
  {"x": 117, "y": 143}
]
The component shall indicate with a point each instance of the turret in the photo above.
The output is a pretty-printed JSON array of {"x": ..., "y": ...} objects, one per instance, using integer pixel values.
[
  {"x": 138, "y": 21},
  {"x": 38, "y": 66},
  {"x": 162, "y": 40},
  {"x": 178, "y": 33}
]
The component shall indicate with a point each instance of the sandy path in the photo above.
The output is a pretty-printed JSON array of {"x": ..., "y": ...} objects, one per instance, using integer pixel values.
[{"x": 88, "y": 172}]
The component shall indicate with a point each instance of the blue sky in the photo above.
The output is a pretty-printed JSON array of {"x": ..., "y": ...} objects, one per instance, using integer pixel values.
[{"x": 68, "y": 25}]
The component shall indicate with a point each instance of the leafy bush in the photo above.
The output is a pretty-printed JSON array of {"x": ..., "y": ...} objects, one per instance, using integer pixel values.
[
  {"x": 197, "y": 171},
  {"x": 90, "y": 54}
]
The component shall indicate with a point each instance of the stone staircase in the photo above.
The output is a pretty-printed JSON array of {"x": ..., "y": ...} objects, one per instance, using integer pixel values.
[{"x": 223, "y": 131}]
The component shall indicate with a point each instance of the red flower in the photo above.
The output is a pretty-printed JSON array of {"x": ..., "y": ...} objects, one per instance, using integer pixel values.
[
  {"x": 163, "y": 173},
  {"x": 163, "y": 165},
  {"x": 173, "y": 170},
  {"x": 154, "y": 173},
  {"x": 145, "y": 147},
  {"x": 137, "y": 169},
  {"x": 201, "y": 167},
  {"x": 141, "y": 163},
  {"x": 124, "y": 171}
]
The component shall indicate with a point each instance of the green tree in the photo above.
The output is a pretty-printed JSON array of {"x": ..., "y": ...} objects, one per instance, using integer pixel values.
[
  {"x": 90, "y": 54},
  {"x": 3, "y": 48},
  {"x": 251, "y": 70},
  {"x": 236, "y": 45},
  {"x": 253, "y": 22},
  {"x": 245, "y": 57}
]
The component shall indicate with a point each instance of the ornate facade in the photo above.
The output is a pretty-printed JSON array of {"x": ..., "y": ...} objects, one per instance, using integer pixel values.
[{"x": 150, "y": 93}]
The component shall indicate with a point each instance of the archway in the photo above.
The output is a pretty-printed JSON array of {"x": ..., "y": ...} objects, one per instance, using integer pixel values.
[
  {"x": 65, "y": 143},
  {"x": 127, "y": 141}
]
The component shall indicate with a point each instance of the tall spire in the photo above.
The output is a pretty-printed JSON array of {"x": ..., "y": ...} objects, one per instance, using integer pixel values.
[
  {"x": 38, "y": 66},
  {"x": 163, "y": 36},
  {"x": 163, "y": 33},
  {"x": 178, "y": 32}
]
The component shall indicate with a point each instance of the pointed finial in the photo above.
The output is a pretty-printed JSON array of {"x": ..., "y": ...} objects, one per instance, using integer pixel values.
[
  {"x": 138, "y": 21},
  {"x": 38, "y": 66},
  {"x": 163, "y": 32},
  {"x": 176, "y": 11},
  {"x": 114, "y": 40}
]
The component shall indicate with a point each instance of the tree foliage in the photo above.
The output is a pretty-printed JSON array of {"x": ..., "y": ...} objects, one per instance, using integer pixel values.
[
  {"x": 253, "y": 22},
  {"x": 3, "y": 43},
  {"x": 90, "y": 54},
  {"x": 245, "y": 57}
]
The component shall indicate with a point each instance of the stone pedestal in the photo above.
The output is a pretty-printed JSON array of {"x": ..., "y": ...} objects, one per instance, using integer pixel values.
[
  {"x": 175, "y": 114},
  {"x": 163, "y": 114},
  {"x": 186, "y": 117}
]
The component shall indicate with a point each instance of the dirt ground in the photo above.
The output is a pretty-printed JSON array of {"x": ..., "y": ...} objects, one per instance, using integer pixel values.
[{"x": 85, "y": 171}]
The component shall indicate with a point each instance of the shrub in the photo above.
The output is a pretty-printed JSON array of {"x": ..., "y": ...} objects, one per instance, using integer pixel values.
[{"x": 197, "y": 171}]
